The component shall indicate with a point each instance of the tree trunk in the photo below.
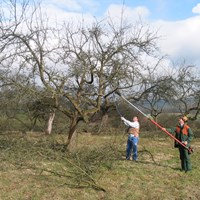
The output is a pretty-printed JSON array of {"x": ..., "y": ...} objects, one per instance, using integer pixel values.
[
  {"x": 104, "y": 120},
  {"x": 72, "y": 137},
  {"x": 50, "y": 123}
]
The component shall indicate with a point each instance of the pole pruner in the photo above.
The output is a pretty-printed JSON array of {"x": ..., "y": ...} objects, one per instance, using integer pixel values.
[{"x": 155, "y": 123}]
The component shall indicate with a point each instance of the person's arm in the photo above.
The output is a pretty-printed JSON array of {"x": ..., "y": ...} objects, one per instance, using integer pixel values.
[
  {"x": 171, "y": 130},
  {"x": 126, "y": 122},
  {"x": 129, "y": 123},
  {"x": 190, "y": 135}
]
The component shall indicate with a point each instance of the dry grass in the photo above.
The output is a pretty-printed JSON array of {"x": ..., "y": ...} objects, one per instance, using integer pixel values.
[{"x": 35, "y": 167}]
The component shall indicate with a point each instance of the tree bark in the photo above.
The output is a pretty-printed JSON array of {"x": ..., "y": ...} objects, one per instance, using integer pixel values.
[
  {"x": 103, "y": 122},
  {"x": 50, "y": 123},
  {"x": 71, "y": 144}
]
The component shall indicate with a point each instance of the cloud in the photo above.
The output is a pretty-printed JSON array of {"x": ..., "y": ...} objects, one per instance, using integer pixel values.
[
  {"x": 117, "y": 11},
  {"x": 196, "y": 9},
  {"x": 81, "y": 6},
  {"x": 59, "y": 14},
  {"x": 70, "y": 5},
  {"x": 179, "y": 39}
]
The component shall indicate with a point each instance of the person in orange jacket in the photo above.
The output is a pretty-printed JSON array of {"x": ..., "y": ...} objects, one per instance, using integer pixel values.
[{"x": 185, "y": 135}]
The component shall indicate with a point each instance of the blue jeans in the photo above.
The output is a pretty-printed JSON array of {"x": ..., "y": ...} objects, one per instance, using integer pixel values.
[{"x": 132, "y": 144}]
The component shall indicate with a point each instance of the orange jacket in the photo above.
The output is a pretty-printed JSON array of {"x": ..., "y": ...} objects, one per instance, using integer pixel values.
[{"x": 184, "y": 130}]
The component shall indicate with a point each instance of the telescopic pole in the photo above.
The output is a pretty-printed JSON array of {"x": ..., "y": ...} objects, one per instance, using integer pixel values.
[{"x": 159, "y": 126}]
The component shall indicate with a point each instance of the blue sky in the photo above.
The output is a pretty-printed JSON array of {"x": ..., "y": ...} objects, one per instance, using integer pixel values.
[
  {"x": 159, "y": 9},
  {"x": 166, "y": 9}
]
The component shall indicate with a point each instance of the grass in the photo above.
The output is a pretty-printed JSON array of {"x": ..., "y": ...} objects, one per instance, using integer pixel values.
[{"x": 35, "y": 167}]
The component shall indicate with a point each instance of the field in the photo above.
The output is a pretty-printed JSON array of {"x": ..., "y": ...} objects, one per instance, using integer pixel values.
[{"x": 36, "y": 167}]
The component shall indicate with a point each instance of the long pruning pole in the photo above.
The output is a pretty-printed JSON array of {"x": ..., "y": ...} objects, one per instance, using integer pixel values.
[
  {"x": 116, "y": 105},
  {"x": 149, "y": 118}
]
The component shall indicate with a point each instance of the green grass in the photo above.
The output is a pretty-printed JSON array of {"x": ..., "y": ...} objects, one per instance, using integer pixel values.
[{"x": 35, "y": 167}]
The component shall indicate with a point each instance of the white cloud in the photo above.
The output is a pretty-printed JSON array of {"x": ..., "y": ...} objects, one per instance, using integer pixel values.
[
  {"x": 196, "y": 9},
  {"x": 74, "y": 5},
  {"x": 70, "y": 5},
  {"x": 117, "y": 11},
  {"x": 57, "y": 15},
  {"x": 180, "y": 38},
  {"x": 91, "y": 4}
]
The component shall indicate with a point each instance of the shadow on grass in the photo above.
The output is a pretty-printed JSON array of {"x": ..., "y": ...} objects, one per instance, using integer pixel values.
[{"x": 150, "y": 160}]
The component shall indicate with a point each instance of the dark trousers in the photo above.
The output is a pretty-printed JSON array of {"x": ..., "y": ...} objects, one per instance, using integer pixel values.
[{"x": 185, "y": 159}]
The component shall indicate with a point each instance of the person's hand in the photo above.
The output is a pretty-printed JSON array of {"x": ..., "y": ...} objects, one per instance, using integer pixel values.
[
  {"x": 185, "y": 142},
  {"x": 122, "y": 118}
]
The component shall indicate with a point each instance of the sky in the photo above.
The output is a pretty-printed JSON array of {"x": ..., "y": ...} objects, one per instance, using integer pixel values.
[
  {"x": 178, "y": 21},
  {"x": 158, "y": 9}
]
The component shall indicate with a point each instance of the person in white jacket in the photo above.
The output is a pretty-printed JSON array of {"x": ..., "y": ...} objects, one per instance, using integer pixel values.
[{"x": 133, "y": 137}]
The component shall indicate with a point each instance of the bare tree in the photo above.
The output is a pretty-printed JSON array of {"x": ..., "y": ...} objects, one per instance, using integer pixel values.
[
  {"x": 76, "y": 66},
  {"x": 187, "y": 93}
]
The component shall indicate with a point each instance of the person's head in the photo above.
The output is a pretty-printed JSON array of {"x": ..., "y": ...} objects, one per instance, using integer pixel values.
[
  {"x": 183, "y": 120},
  {"x": 135, "y": 118}
]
